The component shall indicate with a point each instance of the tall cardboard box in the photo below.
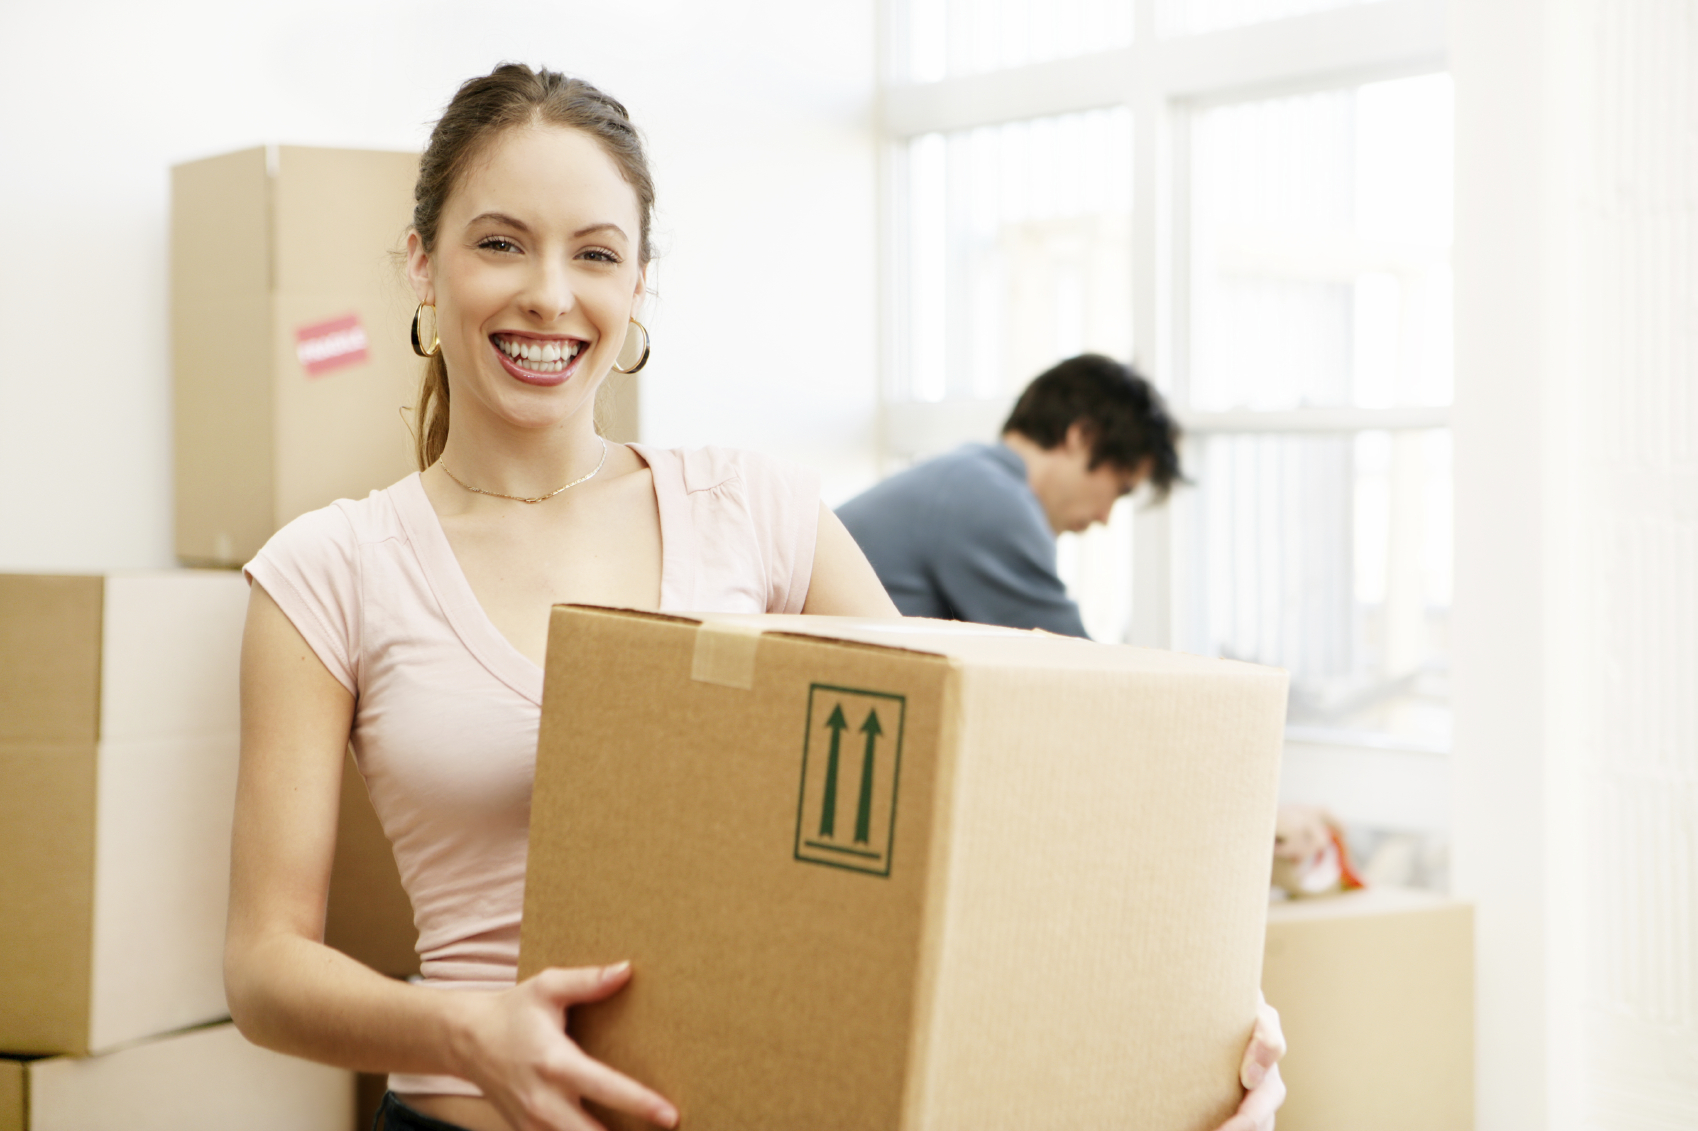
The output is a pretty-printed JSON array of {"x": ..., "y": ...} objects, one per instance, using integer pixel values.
[
  {"x": 118, "y": 749},
  {"x": 905, "y": 874},
  {"x": 208, "y": 1079},
  {"x": 289, "y": 325},
  {"x": 289, "y": 331},
  {"x": 1375, "y": 991}
]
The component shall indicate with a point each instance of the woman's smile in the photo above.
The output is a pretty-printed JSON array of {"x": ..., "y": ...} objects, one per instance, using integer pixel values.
[{"x": 538, "y": 360}]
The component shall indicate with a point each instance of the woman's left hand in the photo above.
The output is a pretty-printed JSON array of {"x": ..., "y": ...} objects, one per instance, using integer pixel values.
[{"x": 1260, "y": 1074}]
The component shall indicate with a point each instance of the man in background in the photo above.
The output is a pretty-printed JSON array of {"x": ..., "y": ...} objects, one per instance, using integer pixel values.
[{"x": 971, "y": 535}]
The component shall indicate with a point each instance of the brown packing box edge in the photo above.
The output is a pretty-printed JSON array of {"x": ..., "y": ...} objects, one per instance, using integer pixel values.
[
  {"x": 47, "y": 887},
  {"x": 207, "y": 1076},
  {"x": 267, "y": 242},
  {"x": 946, "y": 1056},
  {"x": 14, "y": 1095},
  {"x": 50, "y": 633},
  {"x": 1375, "y": 992},
  {"x": 221, "y": 276},
  {"x": 114, "y": 823}
]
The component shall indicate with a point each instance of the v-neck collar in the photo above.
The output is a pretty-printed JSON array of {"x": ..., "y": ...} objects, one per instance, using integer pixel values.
[{"x": 460, "y": 604}]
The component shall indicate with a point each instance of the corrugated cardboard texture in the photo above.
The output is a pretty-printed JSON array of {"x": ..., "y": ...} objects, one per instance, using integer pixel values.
[
  {"x": 49, "y": 658},
  {"x": 14, "y": 1096},
  {"x": 162, "y": 882},
  {"x": 1039, "y": 904},
  {"x": 114, "y": 855},
  {"x": 204, "y": 1078},
  {"x": 369, "y": 917},
  {"x": 172, "y": 642},
  {"x": 257, "y": 254},
  {"x": 338, "y": 216},
  {"x": 47, "y": 891},
  {"x": 1376, "y": 994},
  {"x": 1143, "y": 821},
  {"x": 814, "y": 994},
  {"x": 221, "y": 274}
]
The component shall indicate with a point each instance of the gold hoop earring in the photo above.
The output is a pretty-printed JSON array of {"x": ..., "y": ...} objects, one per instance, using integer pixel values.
[
  {"x": 435, "y": 339},
  {"x": 641, "y": 361}
]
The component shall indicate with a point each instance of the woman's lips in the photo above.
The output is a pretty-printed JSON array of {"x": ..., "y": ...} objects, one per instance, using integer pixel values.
[{"x": 531, "y": 377}]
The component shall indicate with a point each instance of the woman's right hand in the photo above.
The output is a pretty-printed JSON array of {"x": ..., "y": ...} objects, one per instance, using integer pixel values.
[{"x": 517, "y": 1051}]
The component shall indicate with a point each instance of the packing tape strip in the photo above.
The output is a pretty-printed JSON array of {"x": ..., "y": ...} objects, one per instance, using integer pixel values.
[{"x": 725, "y": 654}]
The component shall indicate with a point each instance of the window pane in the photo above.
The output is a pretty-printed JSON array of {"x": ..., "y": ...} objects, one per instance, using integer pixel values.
[
  {"x": 1019, "y": 252},
  {"x": 1329, "y": 556},
  {"x": 1188, "y": 17},
  {"x": 947, "y": 38},
  {"x": 1320, "y": 249}
]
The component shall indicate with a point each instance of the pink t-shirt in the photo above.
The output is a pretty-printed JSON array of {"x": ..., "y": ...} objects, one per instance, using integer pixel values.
[{"x": 446, "y": 709}]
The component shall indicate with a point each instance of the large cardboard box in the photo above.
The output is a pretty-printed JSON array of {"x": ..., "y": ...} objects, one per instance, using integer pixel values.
[
  {"x": 118, "y": 750},
  {"x": 294, "y": 375},
  {"x": 1375, "y": 991},
  {"x": 208, "y": 1079},
  {"x": 289, "y": 322},
  {"x": 905, "y": 874}
]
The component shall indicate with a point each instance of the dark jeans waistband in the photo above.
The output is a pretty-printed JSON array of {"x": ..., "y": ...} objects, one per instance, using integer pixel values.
[{"x": 393, "y": 1115}]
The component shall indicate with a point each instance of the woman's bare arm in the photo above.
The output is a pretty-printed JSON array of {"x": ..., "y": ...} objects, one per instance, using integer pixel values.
[
  {"x": 290, "y": 992},
  {"x": 843, "y": 583}
]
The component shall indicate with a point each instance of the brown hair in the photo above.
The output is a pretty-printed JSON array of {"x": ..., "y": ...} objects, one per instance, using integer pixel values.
[
  {"x": 482, "y": 109},
  {"x": 1124, "y": 417}
]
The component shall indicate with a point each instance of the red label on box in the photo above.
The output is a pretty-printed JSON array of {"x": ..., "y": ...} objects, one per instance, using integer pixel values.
[{"x": 324, "y": 346}]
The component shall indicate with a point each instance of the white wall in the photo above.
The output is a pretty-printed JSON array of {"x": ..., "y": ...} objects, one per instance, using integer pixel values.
[
  {"x": 1576, "y": 640},
  {"x": 759, "y": 119}
]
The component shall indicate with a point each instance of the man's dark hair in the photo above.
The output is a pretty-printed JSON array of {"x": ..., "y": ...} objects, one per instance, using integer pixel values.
[{"x": 1123, "y": 416}]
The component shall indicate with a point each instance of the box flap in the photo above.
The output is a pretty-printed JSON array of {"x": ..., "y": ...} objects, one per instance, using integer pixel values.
[{"x": 974, "y": 645}]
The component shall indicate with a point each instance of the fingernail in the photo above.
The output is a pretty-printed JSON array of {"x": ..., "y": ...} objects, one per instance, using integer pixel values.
[
  {"x": 668, "y": 1117},
  {"x": 617, "y": 970},
  {"x": 1254, "y": 1074}
]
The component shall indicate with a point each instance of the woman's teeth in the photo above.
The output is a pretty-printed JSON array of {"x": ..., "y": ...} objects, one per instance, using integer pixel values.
[{"x": 540, "y": 357}]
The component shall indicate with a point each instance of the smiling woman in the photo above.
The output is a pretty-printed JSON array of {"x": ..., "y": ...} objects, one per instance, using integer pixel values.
[{"x": 413, "y": 623}]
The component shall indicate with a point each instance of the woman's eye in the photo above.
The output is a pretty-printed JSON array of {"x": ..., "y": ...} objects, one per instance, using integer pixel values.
[
  {"x": 599, "y": 254},
  {"x": 498, "y": 243}
]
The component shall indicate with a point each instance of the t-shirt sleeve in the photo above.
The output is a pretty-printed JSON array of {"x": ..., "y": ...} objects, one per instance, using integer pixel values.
[
  {"x": 784, "y": 503},
  {"x": 311, "y": 569},
  {"x": 994, "y": 564}
]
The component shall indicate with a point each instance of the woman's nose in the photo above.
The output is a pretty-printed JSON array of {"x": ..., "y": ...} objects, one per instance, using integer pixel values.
[{"x": 548, "y": 294}]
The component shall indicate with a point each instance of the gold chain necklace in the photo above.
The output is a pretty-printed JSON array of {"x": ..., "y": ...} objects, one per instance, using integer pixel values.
[{"x": 539, "y": 498}]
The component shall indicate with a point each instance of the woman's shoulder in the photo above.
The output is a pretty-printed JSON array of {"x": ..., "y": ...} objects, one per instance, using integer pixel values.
[
  {"x": 338, "y": 530},
  {"x": 712, "y": 467}
]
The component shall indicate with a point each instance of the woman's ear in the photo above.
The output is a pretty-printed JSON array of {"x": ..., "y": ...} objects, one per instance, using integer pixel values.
[
  {"x": 418, "y": 269},
  {"x": 641, "y": 292}
]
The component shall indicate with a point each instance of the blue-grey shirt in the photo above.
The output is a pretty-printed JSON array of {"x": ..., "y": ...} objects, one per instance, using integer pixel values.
[{"x": 962, "y": 537}]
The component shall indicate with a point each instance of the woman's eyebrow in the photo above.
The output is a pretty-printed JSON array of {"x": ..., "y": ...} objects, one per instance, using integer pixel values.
[
  {"x": 500, "y": 218},
  {"x": 605, "y": 225},
  {"x": 514, "y": 222}
]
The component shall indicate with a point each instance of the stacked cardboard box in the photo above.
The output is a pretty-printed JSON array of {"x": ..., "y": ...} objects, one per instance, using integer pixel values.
[
  {"x": 205, "y": 1079},
  {"x": 118, "y": 753},
  {"x": 1375, "y": 990},
  {"x": 905, "y": 874}
]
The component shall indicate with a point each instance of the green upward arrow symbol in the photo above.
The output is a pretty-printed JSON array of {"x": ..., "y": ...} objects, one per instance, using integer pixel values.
[
  {"x": 864, "y": 811},
  {"x": 828, "y": 813}
]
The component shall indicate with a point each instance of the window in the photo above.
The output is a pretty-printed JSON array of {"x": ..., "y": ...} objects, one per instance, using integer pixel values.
[
  {"x": 1319, "y": 265},
  {"x": 1250, "y": 199}
]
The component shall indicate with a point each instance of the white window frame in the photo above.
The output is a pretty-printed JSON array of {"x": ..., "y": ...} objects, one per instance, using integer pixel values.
[{"x": 1164, "y": 81}]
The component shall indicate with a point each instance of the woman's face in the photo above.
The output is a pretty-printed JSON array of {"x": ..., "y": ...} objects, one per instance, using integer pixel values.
[{"x": 534, "y": 275}]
